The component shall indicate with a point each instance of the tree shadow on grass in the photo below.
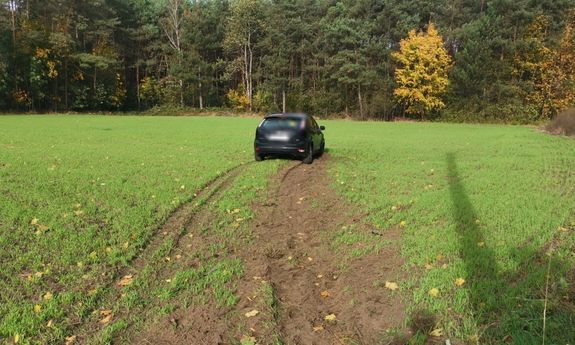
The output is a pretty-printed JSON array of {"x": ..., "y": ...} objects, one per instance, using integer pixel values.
[
  {"x": 482, "y": 279},
  {"x": 508, "y": 305}
]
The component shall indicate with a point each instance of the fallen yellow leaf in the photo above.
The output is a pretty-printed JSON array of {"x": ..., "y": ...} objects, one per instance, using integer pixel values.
[
  {"x": 34, "y": 221},
  {"x": 252, "y": 313},
  {"x": 428, "y": 266},
  {"x": 474, "y": 339},
  {"x": 459, "y": 281},
  {"x": 37, "y": 308},
  {"x": 318, "y": 328},
  {"x": 16, "y": 338},
  {"x": 438, "y": 332},
  {"x": 47, "y": 296},
  {"x": 481, "y": 244},
  {"x": 70, "y": 340},
  {"x": 107, "y": 314},
  {"x": 325, "y": 294},
  {"x": 330, "y": 317},
  {"x": 50, "y": 324},
  {"x": 106, "y": 319},
  {"x": 434, "y": 292},
  {"x": 126, "y": 280},
  {"x": 402, "y": 223},
  {"x": 391, "y": 286}
]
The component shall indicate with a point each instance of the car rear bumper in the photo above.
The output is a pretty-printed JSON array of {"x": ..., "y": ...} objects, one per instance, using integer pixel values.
[{"x": 280, "y": 150}]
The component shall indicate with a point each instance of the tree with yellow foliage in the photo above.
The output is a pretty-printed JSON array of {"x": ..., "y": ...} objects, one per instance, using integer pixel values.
[
  {"x": 423, "y": 76},
  {"x": 550, "y": 72}
]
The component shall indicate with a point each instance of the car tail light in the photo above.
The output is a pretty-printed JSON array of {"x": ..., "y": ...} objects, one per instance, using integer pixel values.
[
  {"x": 257, "y": 149},
  {"x": 301, "y": 150}
]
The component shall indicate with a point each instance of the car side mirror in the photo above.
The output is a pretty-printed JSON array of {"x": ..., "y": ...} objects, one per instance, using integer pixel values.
[{"x": 322, "y": 128}]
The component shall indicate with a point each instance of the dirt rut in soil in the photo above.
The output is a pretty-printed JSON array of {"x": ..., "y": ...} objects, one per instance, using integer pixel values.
[
  {"x": 295, "y": 258},
  {"x": 292, "y": 259}
]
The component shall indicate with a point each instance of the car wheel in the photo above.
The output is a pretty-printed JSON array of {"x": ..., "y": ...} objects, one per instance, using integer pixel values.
[
  {"x": 309, "y": 158},
  {"x": 258, "y": 158},
  {"x": 321, "y": 149}
]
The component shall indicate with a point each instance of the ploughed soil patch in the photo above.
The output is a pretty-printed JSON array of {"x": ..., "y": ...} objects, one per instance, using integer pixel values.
[{"x": 297, "y": 287}]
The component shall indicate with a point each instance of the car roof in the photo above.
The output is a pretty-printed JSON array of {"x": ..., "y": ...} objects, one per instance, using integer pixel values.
[{"x": 298, "y": 115}]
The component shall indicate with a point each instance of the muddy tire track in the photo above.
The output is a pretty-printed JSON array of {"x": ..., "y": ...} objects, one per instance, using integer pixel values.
[
  {"x": 191, "y": 214},
  {"x": 295, "y": 258},
  {"x": 289, "y": 263}
]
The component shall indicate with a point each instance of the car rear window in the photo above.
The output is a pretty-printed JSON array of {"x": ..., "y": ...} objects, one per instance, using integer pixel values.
[{"x": 283, "y": 123}]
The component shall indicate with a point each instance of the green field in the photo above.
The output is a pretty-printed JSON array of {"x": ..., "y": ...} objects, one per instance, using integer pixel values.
[
  {"x": 486, "y": 204},
  {"x": 81, "y": 196}
]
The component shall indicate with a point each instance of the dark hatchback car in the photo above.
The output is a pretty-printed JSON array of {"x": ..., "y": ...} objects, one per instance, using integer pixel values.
[{"x": 291, "y": 135}]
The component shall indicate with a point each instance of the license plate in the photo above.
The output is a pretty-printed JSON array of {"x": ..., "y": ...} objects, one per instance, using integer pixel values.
[{"x": 279, "y": 137}]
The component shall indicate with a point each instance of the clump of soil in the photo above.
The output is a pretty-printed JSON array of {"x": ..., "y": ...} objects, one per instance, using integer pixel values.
[{"x": 563, "y": 124}]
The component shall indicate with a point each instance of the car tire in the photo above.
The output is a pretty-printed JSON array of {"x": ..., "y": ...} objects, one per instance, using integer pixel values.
[
  {"x": 321, "y": 149},
  {"x": 309, "y": 158},
  {"x": 258, "y": 158}
]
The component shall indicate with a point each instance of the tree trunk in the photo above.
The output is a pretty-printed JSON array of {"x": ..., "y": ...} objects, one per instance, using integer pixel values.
[
  {"x": 246, "y": 76},
  {"x": 138, "y": 97},
  {"x": 94, "y": 85},
  {"x": 181, "y": 93},
  {"x": 13, "y": 28},
  {"x": 283, "y": 100},
  {"x": 360, "y": 102},
  {"x": 55, "y": 95},
  {"x": 201, "y": 98},
  {"x": 250, "y": 81},
  {"x": 66, "y": 83}
]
